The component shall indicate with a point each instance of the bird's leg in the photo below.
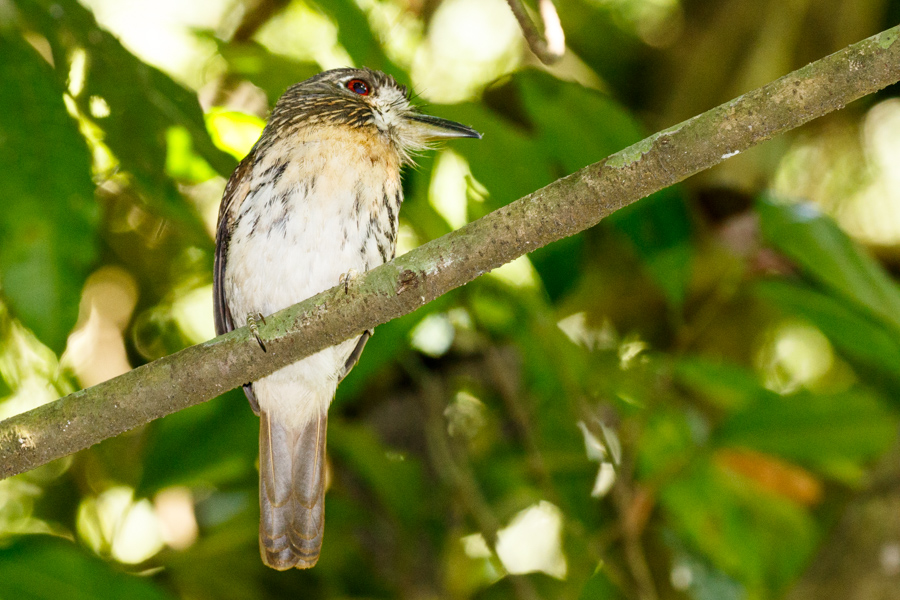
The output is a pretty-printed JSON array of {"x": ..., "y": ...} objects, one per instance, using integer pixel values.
[
  {"x": 346, "y": 278},
  {"x": 254, "y": 328}
]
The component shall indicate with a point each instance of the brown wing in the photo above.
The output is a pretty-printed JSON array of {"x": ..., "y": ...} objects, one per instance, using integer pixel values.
[
  {"x": 235, "y": 192},
  {"x": 354, "y": 356}
]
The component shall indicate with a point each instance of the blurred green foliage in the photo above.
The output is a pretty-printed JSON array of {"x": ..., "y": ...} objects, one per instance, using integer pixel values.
[
  {"x": 674, "y": 404},
  {"x": 45, "y": 260}
]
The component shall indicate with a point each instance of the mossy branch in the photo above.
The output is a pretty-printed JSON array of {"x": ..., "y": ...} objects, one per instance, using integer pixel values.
[{"x": 561, "y": 209}]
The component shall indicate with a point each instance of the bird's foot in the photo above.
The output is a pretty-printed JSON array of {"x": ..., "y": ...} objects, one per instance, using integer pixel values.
[
  {"x": 252, "y": 320},
  {"x": 348, "y": 277}
]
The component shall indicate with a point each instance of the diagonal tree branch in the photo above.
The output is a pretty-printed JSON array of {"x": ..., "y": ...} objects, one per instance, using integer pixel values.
[{"x": 561, "y": 209}]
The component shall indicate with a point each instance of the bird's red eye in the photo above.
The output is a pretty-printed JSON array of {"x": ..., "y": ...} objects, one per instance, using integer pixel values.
[{"x": 358, "y": 86}]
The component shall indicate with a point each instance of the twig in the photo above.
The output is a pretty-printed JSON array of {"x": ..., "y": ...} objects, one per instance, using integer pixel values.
[
  {"x": 457, "y": 475},
  {"x": 550, "y": 46},
  {"x": 561, "y": 209},
  {"x": 624, "y": 498},
  {"x": 257, "y": 14},
  {"x": 507, "y": 385}
]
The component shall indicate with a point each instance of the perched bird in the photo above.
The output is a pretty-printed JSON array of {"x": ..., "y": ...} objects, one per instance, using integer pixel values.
[{"x": 315, "y": 202}]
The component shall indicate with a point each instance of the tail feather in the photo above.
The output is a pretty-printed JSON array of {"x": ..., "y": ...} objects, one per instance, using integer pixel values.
[{"x": 291, "y": 492}]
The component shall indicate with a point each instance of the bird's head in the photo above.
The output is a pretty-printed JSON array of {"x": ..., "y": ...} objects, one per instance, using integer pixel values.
[{"x": 363, "y": 99}]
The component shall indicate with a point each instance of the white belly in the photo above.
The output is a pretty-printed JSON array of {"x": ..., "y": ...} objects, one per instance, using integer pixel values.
[{"x": 295, "y": 238}]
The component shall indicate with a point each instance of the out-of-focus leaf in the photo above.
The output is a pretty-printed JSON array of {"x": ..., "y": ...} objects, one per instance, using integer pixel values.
[
  {"x": 830, "y": 257},
  {"x": 724, "y": 384},
  {"x": 511, "y": 162},
  {"x": 600, "y": 586},
  {"x": 182, "y": 162},
  {"x": 508, "y": 161},
  {"x": 855, "y": 334},
  {"x": 554, "y": 370},
  {"x": 143, "y": 102},
  {"x": 49, "y": 215},
  {"x": 565, "y": 128},
  {"x": 667, "y": 442},
  {"x": 582, "y": 127},
  {"x": 834, "y": 433},
  {"x": 386, "y": 346},
  {"x": 698, "y": 577},
  {"x": 816, "y": 429},
  {"x": 660, "y": 228},
  {"x": 47, "y": 568},
  {"x": 223, "y": 564},
  {"x": 234, "y": 132},
  {"x": 396, "y": 480},
  {"x": 574, "y": 125},
  {"x": 355, "y": 35},
  {"x": 774, "y": 474},
  {"x": 597, "y": 36},
  {"x": 757, "y": 537},
  {"x": 211, "y": 444},
  {"x": 273, "y": 73}
]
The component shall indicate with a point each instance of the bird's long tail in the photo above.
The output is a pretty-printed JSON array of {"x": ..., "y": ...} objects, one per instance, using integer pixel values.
[{"x": 291, "y": 492}]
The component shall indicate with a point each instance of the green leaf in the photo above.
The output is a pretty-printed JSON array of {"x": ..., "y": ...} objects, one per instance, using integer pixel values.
[
  {"x": 49, "y": 217},
  {"x": 828, "y": 256},
  {"x": 815, "y": 429},
  {"x": 560, "y": 128},
  {"x": 574, "y": 125},
  {"x": 725, "y": 384},
  {"x": 550, "y": 128},
  {"x": 357, "y": 38},
  {"x": 211, "y": 444},
  {"x": 182, "y": 162},
  {"x": 396, "y": 480},
  {"x": 577, "y": 126},
  {"x": 508, "y": 161},
  {"x": 834, "y": 433},
  {"x": 49, "y": 568},
  {"x": 273, "y": 73},
  {"x": 856, "y": 335},
  {"x": 144, "y": 103},
  {"x": 600, "y": 585},
  {"x": 660, "y": 228},
  {"x": 511, "y": 161},
  {"x": 667, "y": 442},
  {"x": 761, "y": 539}
]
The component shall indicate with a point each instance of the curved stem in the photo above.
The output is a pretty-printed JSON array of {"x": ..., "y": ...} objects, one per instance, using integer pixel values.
[{"x": 550, "y": 46}]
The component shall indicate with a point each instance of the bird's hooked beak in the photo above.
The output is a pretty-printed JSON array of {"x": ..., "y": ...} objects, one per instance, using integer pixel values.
[{"x": 434, "y": 128}]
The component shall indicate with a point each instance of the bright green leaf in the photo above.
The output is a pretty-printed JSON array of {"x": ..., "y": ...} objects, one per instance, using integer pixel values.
[
  {"x": 49, "y": 216},
  {"x": 234, "y": 132},
  {"x": 181, "y": 161}
]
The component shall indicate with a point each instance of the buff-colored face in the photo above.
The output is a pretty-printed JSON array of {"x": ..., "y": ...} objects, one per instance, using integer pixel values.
[{"x": 362, "y": 98}]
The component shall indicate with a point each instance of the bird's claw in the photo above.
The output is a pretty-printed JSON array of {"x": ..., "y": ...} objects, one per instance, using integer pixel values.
[
  {"x": 346, "y": 278},
  {"x": 254, "y": 327}
]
